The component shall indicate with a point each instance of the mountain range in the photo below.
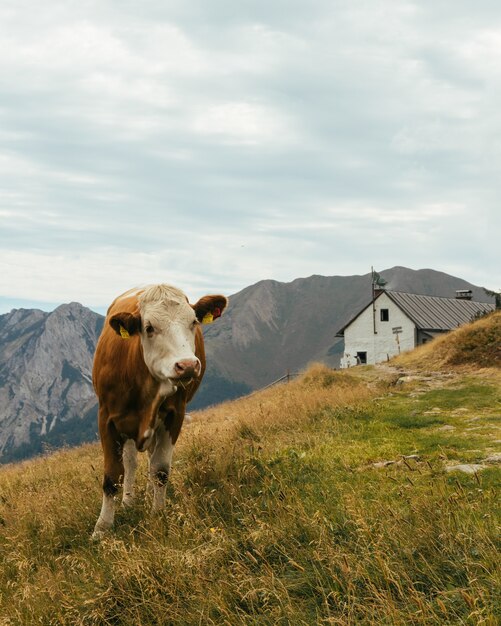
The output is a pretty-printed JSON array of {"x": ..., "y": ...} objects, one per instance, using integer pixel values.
[{"x": 269, "y": 328}]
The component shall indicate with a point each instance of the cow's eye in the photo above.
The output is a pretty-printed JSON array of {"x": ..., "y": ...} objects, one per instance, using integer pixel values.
[
  {"x": 150, "y": 330},
  {"x": 195, "y": 323}
]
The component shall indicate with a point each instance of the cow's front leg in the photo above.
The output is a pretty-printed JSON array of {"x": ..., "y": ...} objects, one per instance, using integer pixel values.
[
  {"x": 113, "y": 474},
  {"x": 160, "y": 465},
  {"x": 129, "y": 456}
]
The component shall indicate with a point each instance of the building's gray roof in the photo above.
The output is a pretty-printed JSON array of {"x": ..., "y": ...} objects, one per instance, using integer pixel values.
[{"x": 432, "y": 312}]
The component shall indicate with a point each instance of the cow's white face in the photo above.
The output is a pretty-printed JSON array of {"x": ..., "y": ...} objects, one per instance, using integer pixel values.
[
  {"x": 168, "y": 330},
  {"x": 167, "y": 326}
]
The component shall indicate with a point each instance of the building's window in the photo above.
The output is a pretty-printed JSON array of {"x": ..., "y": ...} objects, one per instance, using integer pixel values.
[
  {"x": 385, "y": 315},
  {"x": 361, "y": 358}
]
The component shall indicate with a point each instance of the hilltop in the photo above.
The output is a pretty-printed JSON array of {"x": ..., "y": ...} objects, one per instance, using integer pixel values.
[{"x": 339, "y": 498}]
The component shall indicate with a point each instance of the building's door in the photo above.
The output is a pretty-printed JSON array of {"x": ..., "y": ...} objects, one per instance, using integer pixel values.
[{"x": 361, "y": 358}]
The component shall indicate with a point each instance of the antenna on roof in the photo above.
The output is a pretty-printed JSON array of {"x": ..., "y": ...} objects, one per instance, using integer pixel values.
[
  {"x": 378, "y": 284},
  {"x": 377, "y": 280}
]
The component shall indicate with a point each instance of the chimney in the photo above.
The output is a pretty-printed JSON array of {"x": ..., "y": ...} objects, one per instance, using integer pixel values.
[{"x": 464, "y": 294}]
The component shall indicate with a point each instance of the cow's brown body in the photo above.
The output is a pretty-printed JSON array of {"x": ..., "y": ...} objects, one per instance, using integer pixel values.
[{"x": 133, "y": 405}]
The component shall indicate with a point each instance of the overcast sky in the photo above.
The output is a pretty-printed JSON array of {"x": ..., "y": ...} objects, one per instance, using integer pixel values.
[{"x": 213, "y": 143}]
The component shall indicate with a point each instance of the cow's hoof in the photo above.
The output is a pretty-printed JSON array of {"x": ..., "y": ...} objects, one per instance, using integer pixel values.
[
  {"x": 157, "y": 506},
  {"x": 98, "y": 535},
  {"x": 157, "y": 511},
  {"x": 100, "y": 531}
]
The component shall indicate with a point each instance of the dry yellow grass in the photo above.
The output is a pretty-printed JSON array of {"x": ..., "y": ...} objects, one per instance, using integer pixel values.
[
  {"x": 474, "y": 345},
  {"x": 287, "y": 403}
]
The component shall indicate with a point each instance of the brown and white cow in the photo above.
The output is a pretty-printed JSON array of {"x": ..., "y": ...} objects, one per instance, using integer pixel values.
[{"x": 149, "y": 362}]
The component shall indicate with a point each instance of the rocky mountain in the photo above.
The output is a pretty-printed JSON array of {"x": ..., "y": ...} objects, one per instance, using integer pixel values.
[{"x": 46, "y": 395}]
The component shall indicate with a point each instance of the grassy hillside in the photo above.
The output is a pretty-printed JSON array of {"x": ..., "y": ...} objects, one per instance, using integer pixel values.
[
  {"x": 473, "y": 345},
  {"x": 329, "y": 500}
]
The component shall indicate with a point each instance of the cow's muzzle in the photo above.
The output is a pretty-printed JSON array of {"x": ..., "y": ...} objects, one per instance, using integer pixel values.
[{"x": 187, "y": 369}]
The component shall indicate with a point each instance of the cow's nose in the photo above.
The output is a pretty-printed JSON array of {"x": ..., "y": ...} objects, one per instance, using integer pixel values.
[{"x": 187, "y": 368}]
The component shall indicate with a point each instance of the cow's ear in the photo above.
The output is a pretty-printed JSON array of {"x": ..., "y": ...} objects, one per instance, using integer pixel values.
[
  {"x": 209, "y": 308},
  {"x": 125, "y": 324}
]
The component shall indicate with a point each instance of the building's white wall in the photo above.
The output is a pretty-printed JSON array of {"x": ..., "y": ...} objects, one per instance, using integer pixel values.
[{"x": 359, "y": 335}]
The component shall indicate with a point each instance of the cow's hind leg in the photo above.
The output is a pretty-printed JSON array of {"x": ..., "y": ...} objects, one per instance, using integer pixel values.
[
  {"x": 160, "y": 465},
  {"x": 129, "y": 456},
  {"x": 113, "y": 474}
]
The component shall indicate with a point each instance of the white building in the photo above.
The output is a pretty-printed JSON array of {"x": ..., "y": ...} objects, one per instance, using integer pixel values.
[{"x": 394, "y": 322}]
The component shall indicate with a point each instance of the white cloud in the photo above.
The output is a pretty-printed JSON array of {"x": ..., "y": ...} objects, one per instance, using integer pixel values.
[
  {"x": 242, "y": 122},
  {"x": 222, "y": 144},
  {"x": 483, "y": 52}
]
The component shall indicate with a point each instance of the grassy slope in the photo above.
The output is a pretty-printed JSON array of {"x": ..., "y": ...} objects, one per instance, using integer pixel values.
[
  {"x": 277, "y": 514},
  {"x": 474, "y": 345}
]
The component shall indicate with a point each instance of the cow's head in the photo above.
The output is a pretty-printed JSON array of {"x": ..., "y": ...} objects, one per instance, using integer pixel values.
[{"x": 167, "y": 324}]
